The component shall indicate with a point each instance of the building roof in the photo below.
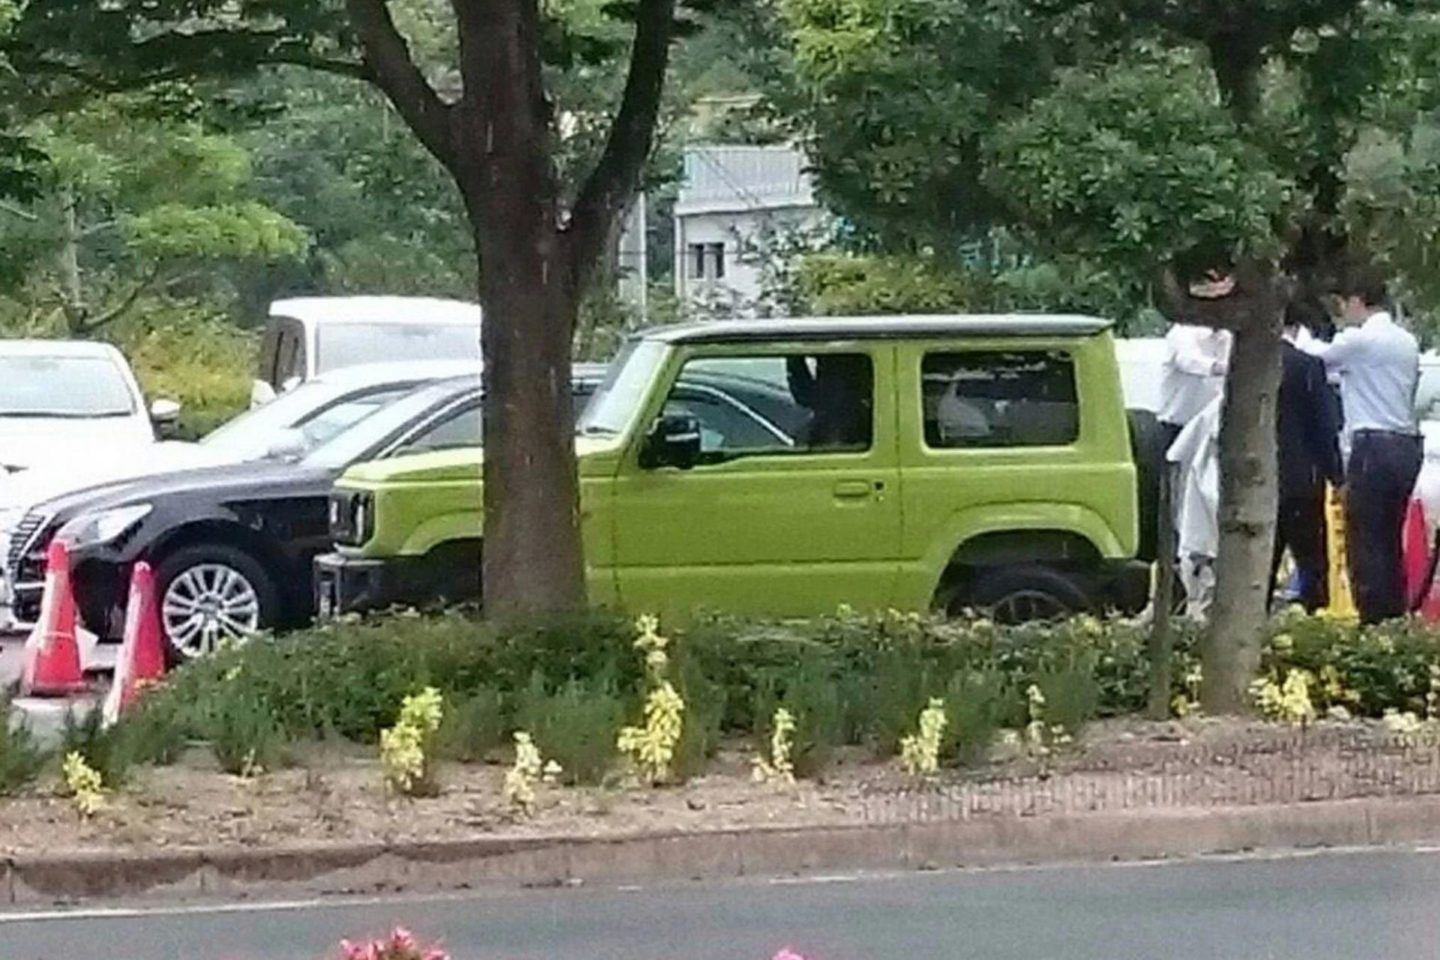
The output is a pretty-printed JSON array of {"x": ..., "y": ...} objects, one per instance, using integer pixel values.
[
  {"x": 884, "y": 328},
  {"x": 57, "y": 348},
  {"x": 339, "y": 310}
]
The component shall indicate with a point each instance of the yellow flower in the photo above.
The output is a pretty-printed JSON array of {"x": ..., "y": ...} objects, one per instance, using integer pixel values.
[
  {"x": 402, "y": 747},
  {"x": 652, "y": 747},
  {"x": 83, "y": 781},
  {"x": 1287, "y": 703},
  {"x": 920, "y": 752},
  {"x": 778, "y": 767},
  {"x": 528, "y": 769}
]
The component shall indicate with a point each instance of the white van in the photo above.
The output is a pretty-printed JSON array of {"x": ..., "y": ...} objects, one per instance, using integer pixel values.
[{"x": 312, "y": 335}]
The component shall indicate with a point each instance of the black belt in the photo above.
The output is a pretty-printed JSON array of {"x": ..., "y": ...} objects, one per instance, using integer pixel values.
[{"x": 1376, "y": 432}]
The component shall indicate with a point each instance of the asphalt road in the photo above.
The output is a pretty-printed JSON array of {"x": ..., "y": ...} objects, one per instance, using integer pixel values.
[{"x": 1348, "y": 906}]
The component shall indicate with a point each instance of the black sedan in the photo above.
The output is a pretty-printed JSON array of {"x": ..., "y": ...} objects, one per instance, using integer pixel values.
[{"x": 233, "y": 546}]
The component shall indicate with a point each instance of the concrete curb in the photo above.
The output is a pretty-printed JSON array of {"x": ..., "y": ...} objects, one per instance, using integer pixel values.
[{"x": 319, "y": 869}]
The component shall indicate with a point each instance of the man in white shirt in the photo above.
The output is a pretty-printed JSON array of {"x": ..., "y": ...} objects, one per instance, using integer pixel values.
[
  {"x": 1378, "y": 363},
  {"x": 1195, "y": 455},
  {"x": 1193, "y": 374}
]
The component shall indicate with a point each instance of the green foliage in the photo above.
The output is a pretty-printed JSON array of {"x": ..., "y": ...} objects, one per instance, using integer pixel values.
[
  {"x": 1366, "y": 672},
  {"x": 242, "y": 231},
  {"x": 21, "y": 758},
  {"x": 109, "y": 752},
  {"x": 575, "y": 725},
  {"x": 243, "y": 730},
  {"x": 191, "y": 354},
  {"x": 843, "y": 285},
  {"x": 1138, "y": 166},
  {"x": 472, "y": 728}
]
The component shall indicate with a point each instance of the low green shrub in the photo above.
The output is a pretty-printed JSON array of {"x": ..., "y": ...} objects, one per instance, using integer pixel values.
[
  {"x": 21, "y": 757},
  {"x": 473, "y": 727},
  {"x": 110, "y": 751},
  {"x": 575, "y": 724}
]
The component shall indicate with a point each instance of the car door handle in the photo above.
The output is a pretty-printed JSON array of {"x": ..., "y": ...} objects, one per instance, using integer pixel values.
[{"x": 854, "y": 489}]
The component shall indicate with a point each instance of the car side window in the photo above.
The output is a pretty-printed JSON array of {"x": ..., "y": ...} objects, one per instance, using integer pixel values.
[
  {"x": 986, "y": 399},
  {"x": 807, "y": 403}
]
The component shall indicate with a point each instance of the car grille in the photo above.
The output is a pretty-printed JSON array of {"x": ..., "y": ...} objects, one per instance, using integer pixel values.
[
  {"x": 25, "y": 565},
  {"x": 20, "y": 541}
]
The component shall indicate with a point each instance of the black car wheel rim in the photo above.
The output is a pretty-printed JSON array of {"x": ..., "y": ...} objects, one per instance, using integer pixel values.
[
  {"x": 1025, "y": 606},
  {"x": 207, "y": 606}
]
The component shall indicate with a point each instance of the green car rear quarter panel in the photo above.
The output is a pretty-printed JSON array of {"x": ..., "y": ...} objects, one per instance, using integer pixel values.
[{"x": 795, "y": 533}]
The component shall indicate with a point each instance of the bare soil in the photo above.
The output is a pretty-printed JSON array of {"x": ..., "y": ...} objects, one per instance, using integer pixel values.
[{"x": 337, "y": 795}]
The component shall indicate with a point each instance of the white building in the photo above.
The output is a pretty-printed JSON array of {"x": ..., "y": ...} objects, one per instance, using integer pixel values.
[{"x": 736, "y": 205}]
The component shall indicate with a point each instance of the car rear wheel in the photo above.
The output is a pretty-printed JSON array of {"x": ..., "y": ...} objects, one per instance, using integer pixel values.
[
  {"x": 1028, "y": 592},
  {"x": 212, "y": 596}
]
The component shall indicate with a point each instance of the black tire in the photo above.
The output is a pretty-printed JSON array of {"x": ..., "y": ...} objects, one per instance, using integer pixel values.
[
  {"x": 197, "y": 561},
  {"x": 1147, "y": 447},
  {"x": 1028, "y": 592}
]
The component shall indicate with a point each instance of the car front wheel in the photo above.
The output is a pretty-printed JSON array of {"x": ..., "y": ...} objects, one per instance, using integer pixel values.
[{"x": 212, "y": 596}]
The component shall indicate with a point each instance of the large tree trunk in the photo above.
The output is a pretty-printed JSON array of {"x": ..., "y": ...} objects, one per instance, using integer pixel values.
[
  {"x": 1230, "y": 654},
  {"x": 532, "y": 553},
  {"x": 498, "y": 141},
  {"x": 532, "y": 559}
]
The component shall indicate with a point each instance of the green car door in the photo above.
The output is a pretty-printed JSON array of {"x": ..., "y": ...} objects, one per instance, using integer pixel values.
[{"x": 792, "y": 505}]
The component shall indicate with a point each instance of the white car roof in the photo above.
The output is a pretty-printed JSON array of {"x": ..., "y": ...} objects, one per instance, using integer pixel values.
[
  {"x": 397, "y": 310},
  {"x": 58, "y": 348}
]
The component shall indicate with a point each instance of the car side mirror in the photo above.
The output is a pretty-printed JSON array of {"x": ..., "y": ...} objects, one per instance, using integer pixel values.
[
  {"x": 287, "y": 445},
  {"x": 674, "y": 441},
  {"x": 165, "y": 414},
  {"x": 261, "y": 393}
]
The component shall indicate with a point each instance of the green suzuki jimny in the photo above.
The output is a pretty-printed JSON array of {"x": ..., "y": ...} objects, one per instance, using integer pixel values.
[{"x": 788, "y": 467}]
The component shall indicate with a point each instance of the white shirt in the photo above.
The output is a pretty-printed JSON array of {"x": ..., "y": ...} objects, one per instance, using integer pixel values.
[
  {"x": 1197, "y": 452},
  {"x": 1194, "y": 371},
  {"x": 1378, "y": 364}
]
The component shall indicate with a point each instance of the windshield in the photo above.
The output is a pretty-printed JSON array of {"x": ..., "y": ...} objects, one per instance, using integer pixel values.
[
  {"x": 362, "y": 437},
  {"x": 618, "y": 400},
  {"x": 58, "y": 386},
  {"x": 352, "y": 344}
]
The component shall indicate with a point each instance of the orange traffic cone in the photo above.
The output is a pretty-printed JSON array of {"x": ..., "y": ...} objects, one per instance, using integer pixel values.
[
  {"x": 141, "y": 659},
  {"x": 52, "y": 655},
  {"x": 1416, "y": 553}
]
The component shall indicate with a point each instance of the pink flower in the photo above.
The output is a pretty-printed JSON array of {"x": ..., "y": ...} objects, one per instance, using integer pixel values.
[
  {"x": 402, "y": 939},
  {"x": 788, "y": 954}
]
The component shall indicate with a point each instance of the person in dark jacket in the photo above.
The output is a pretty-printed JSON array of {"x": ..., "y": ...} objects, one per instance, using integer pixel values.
[
  {"x": 837, "y": 394},
  {"x": 1308, "y": 432}
]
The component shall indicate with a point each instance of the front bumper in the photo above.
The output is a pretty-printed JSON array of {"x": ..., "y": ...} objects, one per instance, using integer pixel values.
[{"x": 355, "y": 585}]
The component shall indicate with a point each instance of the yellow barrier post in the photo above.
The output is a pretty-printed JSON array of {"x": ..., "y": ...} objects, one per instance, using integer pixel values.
[{"x": 1342, "y": 602}]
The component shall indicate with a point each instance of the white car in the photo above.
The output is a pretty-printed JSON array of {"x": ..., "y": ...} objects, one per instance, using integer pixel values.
[
  {"x": 289, "y": 427},
  {"x": 309, "y": 336},
  {"x": 64, "y": 402}
]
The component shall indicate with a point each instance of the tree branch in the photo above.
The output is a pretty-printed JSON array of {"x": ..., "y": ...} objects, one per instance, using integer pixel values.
[
  {"x": 15, "y": 211},
  {"x": 393, "y": 70},
  {"x": 123, "y": 307},
  {"x": 340, "y": 68},
  {"x": 616, "y": 176}
]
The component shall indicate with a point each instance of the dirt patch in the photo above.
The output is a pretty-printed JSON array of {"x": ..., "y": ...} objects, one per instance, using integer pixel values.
[{"x": 336, "y": 795}]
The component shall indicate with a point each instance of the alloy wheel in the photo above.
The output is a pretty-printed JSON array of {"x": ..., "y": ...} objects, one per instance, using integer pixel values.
[{"x": 207, "y": 606}]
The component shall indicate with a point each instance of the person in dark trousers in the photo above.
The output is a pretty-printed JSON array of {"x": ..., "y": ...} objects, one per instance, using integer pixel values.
[
  {"x": 1308, "y": 433},
  {"x": 1378, "y": 363}
]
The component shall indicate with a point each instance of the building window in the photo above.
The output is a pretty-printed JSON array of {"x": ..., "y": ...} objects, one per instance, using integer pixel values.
[
  {"x": 1000, "y": 399},
  {"x": 706, "y": 261}
]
